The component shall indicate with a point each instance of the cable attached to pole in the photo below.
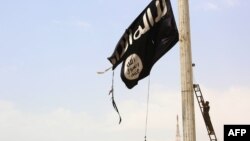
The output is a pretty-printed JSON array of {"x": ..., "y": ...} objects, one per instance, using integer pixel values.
[{"x": 146, "y": 123}]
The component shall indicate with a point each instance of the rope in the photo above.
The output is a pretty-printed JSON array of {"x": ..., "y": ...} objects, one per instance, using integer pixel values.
[
  {"x": 102, "y": 72},
  {"x": 146, "y": 124}
]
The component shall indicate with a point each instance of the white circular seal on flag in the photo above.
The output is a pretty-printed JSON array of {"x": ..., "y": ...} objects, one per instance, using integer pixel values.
[{"x": 132, "y": 67}]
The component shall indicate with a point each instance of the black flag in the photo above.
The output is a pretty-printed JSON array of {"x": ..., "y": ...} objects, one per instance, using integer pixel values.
[{"x": 147, "y": 39}]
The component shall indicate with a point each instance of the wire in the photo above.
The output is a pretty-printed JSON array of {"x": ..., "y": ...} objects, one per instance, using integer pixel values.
[{"x": 146, "y": 124}]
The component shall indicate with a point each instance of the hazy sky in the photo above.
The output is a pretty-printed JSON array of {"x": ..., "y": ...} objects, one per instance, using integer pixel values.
[{"x": 50, "y": 51}]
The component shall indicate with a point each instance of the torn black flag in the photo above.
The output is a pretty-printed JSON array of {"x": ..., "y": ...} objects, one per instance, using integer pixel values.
[{"x": 147, "y": 39}]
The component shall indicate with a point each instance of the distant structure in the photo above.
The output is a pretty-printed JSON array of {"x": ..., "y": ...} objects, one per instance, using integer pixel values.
[{"x": 178, "y": 136}]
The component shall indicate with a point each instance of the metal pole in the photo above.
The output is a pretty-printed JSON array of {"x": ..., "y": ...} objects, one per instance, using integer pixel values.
[{"x": 188, "y": 113}]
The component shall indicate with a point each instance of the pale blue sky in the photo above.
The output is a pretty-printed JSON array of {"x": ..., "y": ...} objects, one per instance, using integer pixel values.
[{"x": 50, "y": 51}]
